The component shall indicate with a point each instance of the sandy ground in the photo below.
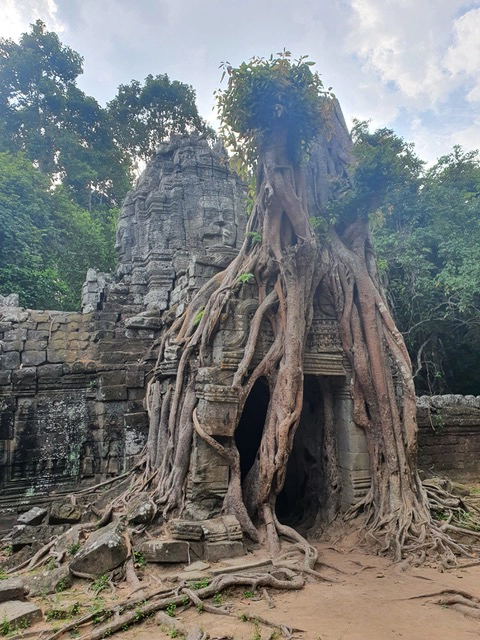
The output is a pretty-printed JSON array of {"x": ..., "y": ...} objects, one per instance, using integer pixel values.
[{"x": 371, "y": 600}]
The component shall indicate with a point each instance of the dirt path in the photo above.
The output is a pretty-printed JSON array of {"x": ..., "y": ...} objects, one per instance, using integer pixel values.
[{"x": 369, "y": 601}]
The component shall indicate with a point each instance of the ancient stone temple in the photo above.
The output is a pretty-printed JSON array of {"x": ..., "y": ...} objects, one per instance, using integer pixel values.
[{"x": 73, "y": 385}]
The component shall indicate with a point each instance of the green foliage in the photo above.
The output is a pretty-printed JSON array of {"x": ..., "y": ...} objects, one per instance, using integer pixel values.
[
  {"x": 426, "y": 230},
  {"x": 6, "y": 627},
  {"x": 198, "y": 317},
  {"x": 245, "y": 278},
  {"x": 171, "y": 610},
  {"x": 62, "y": 585},
  {"x": 73, "y": 548},
  {"x": 266, "y": 96},
  {"x": 200, "y": 584},
  {"x": 139, "y": 559},
  {"x": 255, "y": 236},
  {"x": 47, "y": 242},
  {"x": 145, "y": 115},
  {"x": 63, "y": 131},
  {"x": 100, "y": 584}
]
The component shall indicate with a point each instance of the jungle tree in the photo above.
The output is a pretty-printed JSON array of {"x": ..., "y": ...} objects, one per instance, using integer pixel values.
[{"x": 308, "y": 229}]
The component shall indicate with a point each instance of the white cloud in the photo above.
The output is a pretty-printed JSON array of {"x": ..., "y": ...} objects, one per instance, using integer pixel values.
[
  {"x": 463, "y": 57},
  {"x": 16, "y": 15},
  {"x": 401, "y": 43},
  {"x": 407, "y": 64}
]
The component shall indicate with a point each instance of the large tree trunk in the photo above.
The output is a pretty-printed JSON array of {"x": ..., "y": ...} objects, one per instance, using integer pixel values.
[{"x": 287, "y": 265}]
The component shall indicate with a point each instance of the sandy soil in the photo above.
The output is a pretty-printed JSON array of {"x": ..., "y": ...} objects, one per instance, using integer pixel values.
[{"x": 371, "y": 600}]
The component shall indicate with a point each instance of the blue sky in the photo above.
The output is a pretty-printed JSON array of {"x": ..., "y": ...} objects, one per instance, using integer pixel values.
[{"x": 412, "y": 65}]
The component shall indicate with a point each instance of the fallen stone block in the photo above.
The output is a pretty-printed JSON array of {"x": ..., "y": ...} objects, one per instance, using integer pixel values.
[
  {"x": 199, "y": 565},
  {"x": 105, "y": 550},
  {"x": 12, "y": 589},
  {"x": 54, "y": 581},
  {"x": 23, "y": 534},
  {"x": 64, "y": 513},
  {"x": 34, "y": 516},
  {"x": 185, "y": 530},
  {"x": 140, "y": 510},
  {"x": 167, "y": 551},
  {"x": 222, "y": 528},
  {"x": 18, "y": 615},
  {"x": 215, "y": 551}
]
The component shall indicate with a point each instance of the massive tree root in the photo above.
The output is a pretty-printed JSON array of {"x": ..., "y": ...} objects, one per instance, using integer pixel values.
[
  {"x": 398, "y": 506},
  {"x": 280, "y": 259}
]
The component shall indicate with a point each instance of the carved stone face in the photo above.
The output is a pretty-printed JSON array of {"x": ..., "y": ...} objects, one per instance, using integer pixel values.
[{"x": 219, "y": 223}]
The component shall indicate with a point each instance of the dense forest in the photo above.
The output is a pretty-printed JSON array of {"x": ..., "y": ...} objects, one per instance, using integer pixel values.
[{"x": 66, "y": 163}]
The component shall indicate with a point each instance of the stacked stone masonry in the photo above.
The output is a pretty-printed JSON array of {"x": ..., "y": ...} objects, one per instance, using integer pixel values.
[{"x": 449, "y": 436}]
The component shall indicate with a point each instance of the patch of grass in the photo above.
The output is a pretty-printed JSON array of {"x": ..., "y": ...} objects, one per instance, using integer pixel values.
[
  {"x": 248, "y": 594},
  {"x": 73, "y": 548},
  {"x": 62, "y": 585},
  {"x": 170, "y": 610},
  {"x": 100, "y": 584},
  {"x": 6, "y": 627},
  {"x": 217, "y": 598},
  {"x": 200, "y": 584},
  {"x": 139, "y": 559}
]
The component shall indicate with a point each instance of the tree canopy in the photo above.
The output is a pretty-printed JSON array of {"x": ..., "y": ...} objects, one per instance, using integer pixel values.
[
  {"x": 47, "y": 241},
  {"x": 63, "y": 131},
  {"x": 427, "y": 232},
  {"x": 143, "y": 115}
]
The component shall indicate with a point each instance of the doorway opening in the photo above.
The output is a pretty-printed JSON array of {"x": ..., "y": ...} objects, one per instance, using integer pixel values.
[
  {"x": 248, "y": 433},
  {"x": 300, "y": 500}
]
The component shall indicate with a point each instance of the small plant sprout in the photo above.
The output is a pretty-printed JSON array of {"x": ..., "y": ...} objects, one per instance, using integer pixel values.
[
  {"x": 245, "y": 278},
  {"x": 100, "y": 584}
]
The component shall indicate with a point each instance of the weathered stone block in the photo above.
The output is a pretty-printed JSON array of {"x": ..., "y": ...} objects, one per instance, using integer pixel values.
[
  {"x": 64, "y": 513},
  {"x": 50, "y": 371},
  {"x": 12, "y": 589},
  {"x": 34, "y": 516},
  {"x": 33, "y": 358},
  {"x": 15, "y": 334},
  {"x": 135, "y": 378},
  {"x": 35, "y": 345},
  {"x": 215, "y": 551},
  {"x": 186, "y": 530},
  {"x": 23, "y": 535},
  {"x": 113, "y": 378},
  {"x": 48, "y": 581},
  {"x": 164, "y": 551},
  {"x": 18, "y": 614},
  {"x": 10, "y": 360},
  {"x": 5, "y": 377},
  {"x": 140, "y": 510},
  {"x": 14, "y": 345},
  {"x": 105, "y": 550},
  {"x": 55, "y": 356},
  {"x": 138, "y": 419},
  {"x": 107, "y": 394}
]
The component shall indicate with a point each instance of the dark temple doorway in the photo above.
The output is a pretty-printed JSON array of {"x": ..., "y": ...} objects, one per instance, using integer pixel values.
[
  {"x": 300, "y": 501},
  {"x": 248, "y": 434}
]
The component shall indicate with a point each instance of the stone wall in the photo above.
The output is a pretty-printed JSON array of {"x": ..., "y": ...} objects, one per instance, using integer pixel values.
[
  {"x": 449, "y": 436},
  {"x": 71, "y": 397},
  {"x": 72, "y": 385}
]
